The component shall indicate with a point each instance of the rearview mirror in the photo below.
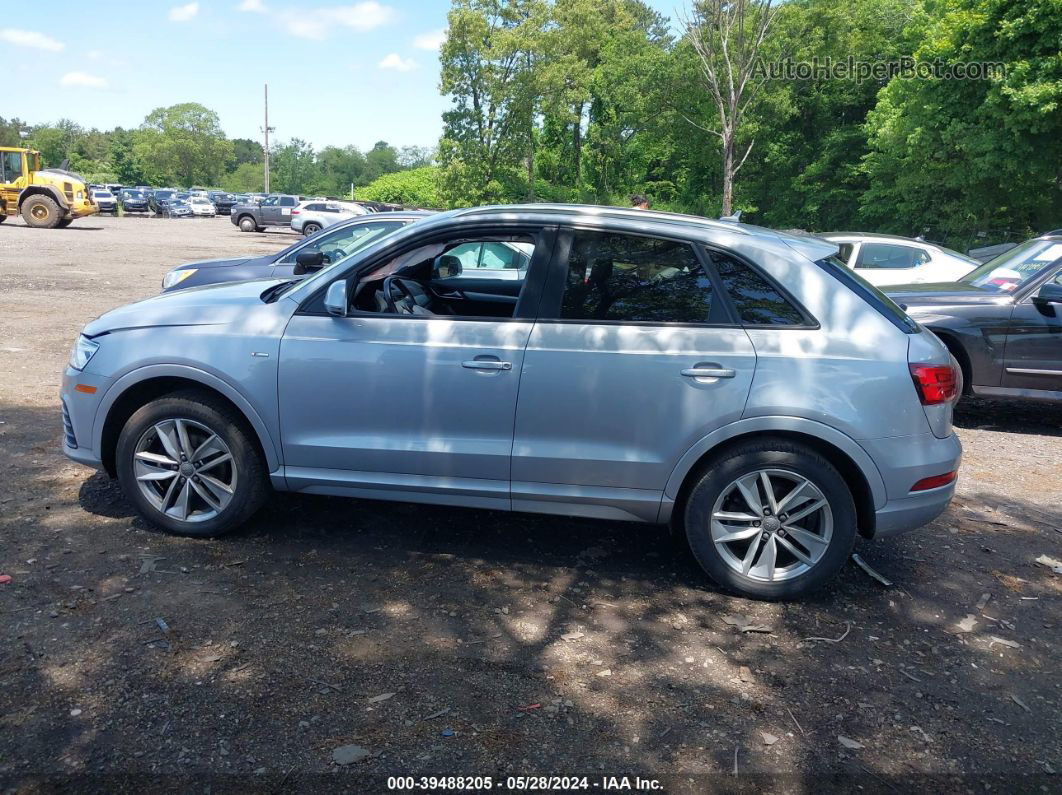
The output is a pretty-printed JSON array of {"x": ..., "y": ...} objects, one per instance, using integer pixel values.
[
  {"x": 308, "y": 262},
  {"x": 336, "y": 298},
  {"x": 1050, "y": 293}
]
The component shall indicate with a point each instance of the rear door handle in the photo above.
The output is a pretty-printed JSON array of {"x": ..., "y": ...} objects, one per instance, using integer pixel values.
[
  {"x": 709, "y": 372},
  {"x": 486, "y": 364}
]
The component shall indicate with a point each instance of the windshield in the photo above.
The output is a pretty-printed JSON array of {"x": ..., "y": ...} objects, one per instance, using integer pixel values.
[
  {"x": 133, "y": 194},
  {"x": 1015, "y": 268}
]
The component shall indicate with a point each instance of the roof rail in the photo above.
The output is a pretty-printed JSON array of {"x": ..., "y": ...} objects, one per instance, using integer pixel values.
[{"x": 591, "y": 210}]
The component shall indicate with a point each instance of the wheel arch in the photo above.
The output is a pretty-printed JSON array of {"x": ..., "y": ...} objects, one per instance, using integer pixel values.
[
  {"x": 140, "y": 387},
  {"x": 958, "y": 350},
  {"x": 852, "y": 461},
  {"x": 50, "y": 191}
]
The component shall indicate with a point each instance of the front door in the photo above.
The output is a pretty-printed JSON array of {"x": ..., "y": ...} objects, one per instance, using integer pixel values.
[
  {"x": 406, "y": 398},
  {"x": 633, "y": 360},
  {"x": 1033, "y": 355}
]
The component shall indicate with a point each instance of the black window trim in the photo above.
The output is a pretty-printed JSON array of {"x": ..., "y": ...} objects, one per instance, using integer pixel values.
[{"x": 534, "y": 282}]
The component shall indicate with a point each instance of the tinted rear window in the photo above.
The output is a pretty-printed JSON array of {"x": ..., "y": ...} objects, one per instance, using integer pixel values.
[{"x": 869, "y": 293}]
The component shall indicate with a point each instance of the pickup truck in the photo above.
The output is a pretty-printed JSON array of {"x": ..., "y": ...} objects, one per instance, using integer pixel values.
[{"x": 274, "y": 210}]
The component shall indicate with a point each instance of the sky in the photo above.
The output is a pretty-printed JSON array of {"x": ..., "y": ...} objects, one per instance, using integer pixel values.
[{"x": 339, "y": 73}]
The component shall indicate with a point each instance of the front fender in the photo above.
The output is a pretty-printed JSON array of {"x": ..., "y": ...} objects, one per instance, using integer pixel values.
[
  {"x": 141, "y": 374},
  {"x": 760, "y": 425}
]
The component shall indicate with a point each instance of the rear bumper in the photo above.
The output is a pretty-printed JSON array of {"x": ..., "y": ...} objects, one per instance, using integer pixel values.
[{"x": 903, "y": 461}]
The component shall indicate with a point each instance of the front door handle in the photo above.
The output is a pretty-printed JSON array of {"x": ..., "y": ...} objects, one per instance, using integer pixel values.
[
  {"x": 709, "y": 372},
  {"x": 486, "y": 364}
]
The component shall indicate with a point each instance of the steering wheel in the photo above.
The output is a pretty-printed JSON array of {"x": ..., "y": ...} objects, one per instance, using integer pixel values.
[{"x": 407, "y": 292}]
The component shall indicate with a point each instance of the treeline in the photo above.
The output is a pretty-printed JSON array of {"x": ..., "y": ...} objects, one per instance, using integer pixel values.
[
  {"x": 591, "y": 100},
  {"x": 184, "y": 145}
]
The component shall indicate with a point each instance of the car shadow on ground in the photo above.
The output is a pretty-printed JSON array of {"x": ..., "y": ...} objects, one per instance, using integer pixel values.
[{"x": 1041, "y": 418}]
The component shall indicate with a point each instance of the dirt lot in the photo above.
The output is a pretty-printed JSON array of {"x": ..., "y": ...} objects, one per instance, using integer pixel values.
[{"x": 453, "y": 642}]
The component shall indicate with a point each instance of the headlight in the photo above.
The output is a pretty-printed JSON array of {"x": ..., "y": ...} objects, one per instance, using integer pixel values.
[
  {"x": 84, "y": 349},
  {"x": 174, "y": 278}
]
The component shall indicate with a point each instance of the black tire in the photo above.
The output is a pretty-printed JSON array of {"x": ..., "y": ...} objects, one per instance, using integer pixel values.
[
  {"x": 252, "y": 484},
  {"x": 248, "y": 224},
  {"x": 41, "y": 212},
  {"x": 3, "y": 215},
  {"x": 310, "y": 229},
  {"x": 776, "y": 454}
]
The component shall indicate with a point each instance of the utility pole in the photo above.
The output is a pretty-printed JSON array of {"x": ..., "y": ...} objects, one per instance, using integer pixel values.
[{"x": 267, "y": 129}]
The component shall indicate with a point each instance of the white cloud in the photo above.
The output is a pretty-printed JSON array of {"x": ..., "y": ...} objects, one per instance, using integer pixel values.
[
  {"x": 398, "y": 63},
  {"x": 252, "y": 5},
  {"x": 317, "y": 23},
  {"x": 184, "y": 13},
  {"x": 30, "y": 38},
  {"x": 431, "y": 40},
  {"x": 82, "y": 80}
]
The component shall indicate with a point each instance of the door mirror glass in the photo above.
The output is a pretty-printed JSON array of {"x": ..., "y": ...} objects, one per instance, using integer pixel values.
[
  {"x": 308, "y": 262},
  {"x": 336, "y": 299},
  {"x": 447, "y": 265},
  {"x": 1050, "y": 293}
]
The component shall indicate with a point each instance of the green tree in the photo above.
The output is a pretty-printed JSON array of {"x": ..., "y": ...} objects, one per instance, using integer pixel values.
[
  {"x": 244, "y": 150},
  {"x": 183, "y": 144},
  {"x": 954, "y": 157},
  {"x": 11, "y": 131},
  {"x": 293, "y": 168},
  {"x": 56, "y": 142},
  {"x": 418, "y": 187},
  {"x": 245, "y": 178}
]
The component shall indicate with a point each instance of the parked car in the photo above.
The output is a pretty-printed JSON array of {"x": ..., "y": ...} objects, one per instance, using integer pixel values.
[
  {"x": 133, "y": 201},
  {"x": 105, "y": 201},
  {"x": 202, "y": 206},
  {"x": 1002, "y": 322},
  {"x": 159, "y": 198},
  {"x": 305, "y": 256},
  {"x": 312, "y": 216},
  {"x": 272, "y": 211},
  {"x": 177, "y": 208},
  {"x": 223, "y": 202},
  {"x": 648, "y": 367},
  {"x": 886, "y": 259}
]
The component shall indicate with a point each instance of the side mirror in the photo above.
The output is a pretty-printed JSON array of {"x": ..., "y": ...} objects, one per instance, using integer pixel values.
[
  {"x": 336, "y": 299},
  {"x": 1050, "y": 293},
  {"x": 308, "y": 262},
  {"x": 447, "y": 265}
]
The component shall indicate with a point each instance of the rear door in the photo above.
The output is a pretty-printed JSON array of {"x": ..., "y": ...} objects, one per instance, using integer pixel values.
[
  {"x": 635, "y": 357},
  {"x": 1033, "y": 356}
]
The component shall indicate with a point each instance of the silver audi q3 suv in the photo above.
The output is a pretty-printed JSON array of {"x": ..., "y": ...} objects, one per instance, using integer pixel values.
[{"x": 740, "y": 383}]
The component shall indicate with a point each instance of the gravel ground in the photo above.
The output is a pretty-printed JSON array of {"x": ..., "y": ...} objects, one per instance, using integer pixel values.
[{"x": 455, "y": 642}]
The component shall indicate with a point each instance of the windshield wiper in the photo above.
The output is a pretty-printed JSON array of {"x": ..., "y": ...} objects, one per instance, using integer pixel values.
[{"x": 273, "y": 293}]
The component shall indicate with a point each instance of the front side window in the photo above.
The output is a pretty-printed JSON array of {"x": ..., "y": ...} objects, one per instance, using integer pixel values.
[
  {"x": 889, "y": 256},
  {"x": 344, "y": 242},
  {"x": 11, "y": 166},
  {"x": 757, "y": 301},
  {"x": 615, "y": 277}
]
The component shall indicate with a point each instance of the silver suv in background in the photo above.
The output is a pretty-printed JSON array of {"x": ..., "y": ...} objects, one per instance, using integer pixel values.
[
  {"x": 314, "y": 215},
  {"x": 740, "y": 383}
]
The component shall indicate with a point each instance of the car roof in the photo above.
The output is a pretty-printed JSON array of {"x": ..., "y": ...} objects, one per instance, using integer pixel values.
[{"x": 875, "y": 236}]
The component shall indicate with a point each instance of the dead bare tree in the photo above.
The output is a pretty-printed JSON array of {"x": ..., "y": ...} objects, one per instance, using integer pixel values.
[{"x": 727, "y": 36}]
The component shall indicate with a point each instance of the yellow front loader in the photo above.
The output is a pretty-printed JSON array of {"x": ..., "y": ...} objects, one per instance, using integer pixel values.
[{"x": 47, "y": 198}]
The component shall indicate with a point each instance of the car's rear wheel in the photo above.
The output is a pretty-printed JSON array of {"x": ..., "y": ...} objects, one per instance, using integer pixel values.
[
  {"x": 771, "y": 519},
  {"x": 189, "y": 464},
  {"x": 311, "y": 229},
  {"x": 247, "y": 224}
]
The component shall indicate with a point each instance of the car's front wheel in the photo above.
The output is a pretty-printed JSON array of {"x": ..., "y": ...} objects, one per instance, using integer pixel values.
[
  {"x": 189, "y": 464},
  {"x": 247, "y": 224},
  {"x": 771, "y": 519}
]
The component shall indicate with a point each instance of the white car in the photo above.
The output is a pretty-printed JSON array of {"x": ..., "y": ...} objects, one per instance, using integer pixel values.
[
  {"x": 313, "y": 215},
  {"x": 201, "y": 205},
  {"x": 885, "y": 259}
]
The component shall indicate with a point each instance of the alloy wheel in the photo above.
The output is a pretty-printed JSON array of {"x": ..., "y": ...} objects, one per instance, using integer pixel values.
[
  {"x": 771, "y": 525},
  {"x": 185, "y": 470}
]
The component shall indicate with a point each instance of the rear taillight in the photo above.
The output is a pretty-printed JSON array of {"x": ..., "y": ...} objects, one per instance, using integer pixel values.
[
  {"x": 935, "y": 383},
  {"x": 294, "y": 212},
  {"x": 935, "y": 482}
]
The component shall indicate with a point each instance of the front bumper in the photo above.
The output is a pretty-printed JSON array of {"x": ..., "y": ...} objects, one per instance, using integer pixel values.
[
  {"x": 79, "y": 409},
  {"x": 79, "y": 208},
  {"x": 135, "y": 207}
]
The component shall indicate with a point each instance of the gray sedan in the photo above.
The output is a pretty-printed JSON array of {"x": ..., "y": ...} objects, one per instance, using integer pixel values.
[{"x": 308, "y": 255}]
